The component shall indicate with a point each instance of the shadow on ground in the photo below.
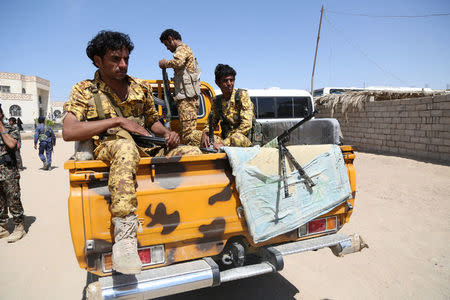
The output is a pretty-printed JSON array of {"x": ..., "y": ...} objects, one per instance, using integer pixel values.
[{"x": 268, "y": 286}]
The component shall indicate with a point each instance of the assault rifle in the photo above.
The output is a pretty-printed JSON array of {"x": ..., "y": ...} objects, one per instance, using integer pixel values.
[
  {"x": 148, "y": 141},
  {"x": 283, "y": 152},
  {"x": 210, "y": 149},
  {"x": 167, "y": 97}
]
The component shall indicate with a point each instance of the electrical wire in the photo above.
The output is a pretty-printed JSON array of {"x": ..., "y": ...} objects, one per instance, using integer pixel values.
[
  {"x": 362, "y": 52},
  {"x": 380, "y": 16}
]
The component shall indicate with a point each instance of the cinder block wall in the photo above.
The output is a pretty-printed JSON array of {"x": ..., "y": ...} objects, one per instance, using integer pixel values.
[{"x": 417, "y": 127}]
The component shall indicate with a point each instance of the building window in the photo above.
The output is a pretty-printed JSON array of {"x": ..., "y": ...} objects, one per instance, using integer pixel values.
[
  {"x": 5, "y": 89},
  {"x": 57, "y": 114},
  {"x": 15, "y": 111},
  {"x": 41, "y": 111},
  {"x": 24, "y": 91}
]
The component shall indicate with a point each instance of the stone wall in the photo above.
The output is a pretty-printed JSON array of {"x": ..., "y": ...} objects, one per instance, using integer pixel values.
[{"x": 417, "y": 128}]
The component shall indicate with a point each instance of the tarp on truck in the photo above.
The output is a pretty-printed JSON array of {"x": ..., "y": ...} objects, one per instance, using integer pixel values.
[{"x": 268, "y": 213}]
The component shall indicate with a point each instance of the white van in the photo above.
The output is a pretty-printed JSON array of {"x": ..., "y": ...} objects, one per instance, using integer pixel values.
[
  {"x": 334, "y": 90},
  {"x": 279, "y": 109},
  {"x": 281, "y": 104}
]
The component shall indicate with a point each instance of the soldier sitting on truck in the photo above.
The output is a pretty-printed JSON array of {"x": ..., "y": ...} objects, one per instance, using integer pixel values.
[
  {"x": 233, "y": 108},
  {"x": 107, "y": 109}
]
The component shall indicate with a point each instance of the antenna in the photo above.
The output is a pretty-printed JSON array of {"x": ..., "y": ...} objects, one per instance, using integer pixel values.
[{"x": 315, "y": 55}]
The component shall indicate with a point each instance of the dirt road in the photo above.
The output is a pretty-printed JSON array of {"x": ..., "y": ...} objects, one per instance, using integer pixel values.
[{"x": 402, "y": 211}]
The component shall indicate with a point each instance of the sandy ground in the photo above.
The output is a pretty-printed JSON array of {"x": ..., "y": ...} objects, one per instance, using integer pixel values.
[{"x": 402, "y": 211}]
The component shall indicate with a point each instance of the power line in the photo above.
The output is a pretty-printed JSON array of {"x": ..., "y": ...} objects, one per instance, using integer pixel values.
[
  {"x": 361, "y": 51},
  {"x": 380, "y": 16}
]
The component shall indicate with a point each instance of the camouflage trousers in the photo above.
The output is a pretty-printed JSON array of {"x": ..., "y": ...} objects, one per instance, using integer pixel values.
[
  {"x": 123, "y": 156},
  {"x": 234, "y": 140},
  {"x": 10, "y": 193},
  {"x": 187, "y": 114}
]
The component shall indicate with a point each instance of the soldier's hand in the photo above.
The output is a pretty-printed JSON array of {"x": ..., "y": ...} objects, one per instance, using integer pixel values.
[
  {"x": 35, "y": 147},
  {"x": 218, "y": 145},
  {"x": 205, "y": 140},
  {"x": 173, "y": 139},
  {"x": 132, "y": 126},
  {"x": 162, "y": 63}
]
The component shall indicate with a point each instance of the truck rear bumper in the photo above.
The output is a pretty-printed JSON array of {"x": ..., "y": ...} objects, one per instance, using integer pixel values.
[{"x": 205, "y": 272}]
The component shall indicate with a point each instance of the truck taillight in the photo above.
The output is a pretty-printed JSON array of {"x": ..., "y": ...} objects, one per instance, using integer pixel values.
[
  {"x": 328, "y": 224},
  {"x": 152, "y": 255}
]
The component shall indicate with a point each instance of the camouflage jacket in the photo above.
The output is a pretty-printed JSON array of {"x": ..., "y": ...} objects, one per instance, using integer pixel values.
[
  {"x": 138, "y": 106},
  {"x": 183, "y": 57},
  {"x": 240, "y": 118},
  {"x": 9, "y": 171}
]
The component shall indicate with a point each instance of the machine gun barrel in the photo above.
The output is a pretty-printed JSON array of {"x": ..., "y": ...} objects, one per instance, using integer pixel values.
[
  {"x": 284, "y": 152},
  {"x": 284, "y": 137}
]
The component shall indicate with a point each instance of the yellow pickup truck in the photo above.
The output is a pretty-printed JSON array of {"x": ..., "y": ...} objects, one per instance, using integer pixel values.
[{"x": 194, "y": 233}]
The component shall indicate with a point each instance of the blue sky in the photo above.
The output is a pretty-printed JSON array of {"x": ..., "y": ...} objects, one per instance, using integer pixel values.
[{"x": 269, "y": 43}]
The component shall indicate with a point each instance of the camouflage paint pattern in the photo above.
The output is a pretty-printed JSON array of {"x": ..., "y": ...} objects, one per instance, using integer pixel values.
[{"x": 237, "y": 136}]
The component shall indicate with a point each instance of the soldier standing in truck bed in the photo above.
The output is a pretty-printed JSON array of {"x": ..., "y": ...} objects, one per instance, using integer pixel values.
[
  {"x": 9, "y": 183},
  {"x": 233, "y": 108},
  {"x": 187, "y": 84}
]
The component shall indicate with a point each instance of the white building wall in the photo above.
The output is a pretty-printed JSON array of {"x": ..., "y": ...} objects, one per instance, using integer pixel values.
[{"x": 35, "y": 88}]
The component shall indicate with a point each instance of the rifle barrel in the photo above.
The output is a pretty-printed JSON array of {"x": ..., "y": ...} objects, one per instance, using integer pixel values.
[
  {"x": 167, "y": 95},
  {"x": 287, "y": 132}
]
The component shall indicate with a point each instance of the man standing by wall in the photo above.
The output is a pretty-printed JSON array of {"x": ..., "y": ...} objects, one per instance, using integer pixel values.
[
  {"x": 233, "y": 108},
  {"x": 115, "y": 105},
  {"x": 187, "y": 84},
  {"x": 47, "y": 140},
  {"x": 9, "y": 183}
]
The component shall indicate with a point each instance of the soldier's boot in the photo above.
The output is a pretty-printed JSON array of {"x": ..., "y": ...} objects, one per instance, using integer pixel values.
[
  {"x": 124, "y": 252},
  {"x": 46, "y": 166},
  {"x": 3, "y": 231},
  {"x": 17, "y": 234}
]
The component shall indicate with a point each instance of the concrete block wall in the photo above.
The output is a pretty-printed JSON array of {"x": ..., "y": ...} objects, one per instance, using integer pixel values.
[{"x": 417, "y": 127}]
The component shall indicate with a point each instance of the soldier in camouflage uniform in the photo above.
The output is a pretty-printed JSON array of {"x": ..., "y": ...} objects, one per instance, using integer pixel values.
[
  {"x": 9, "y": 183},
  {"x": 236, "y": 119},
  {"x": 13, "y": 123},
  {"x": 187, "y": 84},
  {"x": 93, "y": 111}
]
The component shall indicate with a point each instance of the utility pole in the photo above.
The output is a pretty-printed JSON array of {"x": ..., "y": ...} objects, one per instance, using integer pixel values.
[{"x": 315, "y": 55}]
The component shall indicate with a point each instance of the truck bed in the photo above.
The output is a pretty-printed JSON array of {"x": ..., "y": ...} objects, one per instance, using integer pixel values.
[{"x": 187, "y": 205}]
